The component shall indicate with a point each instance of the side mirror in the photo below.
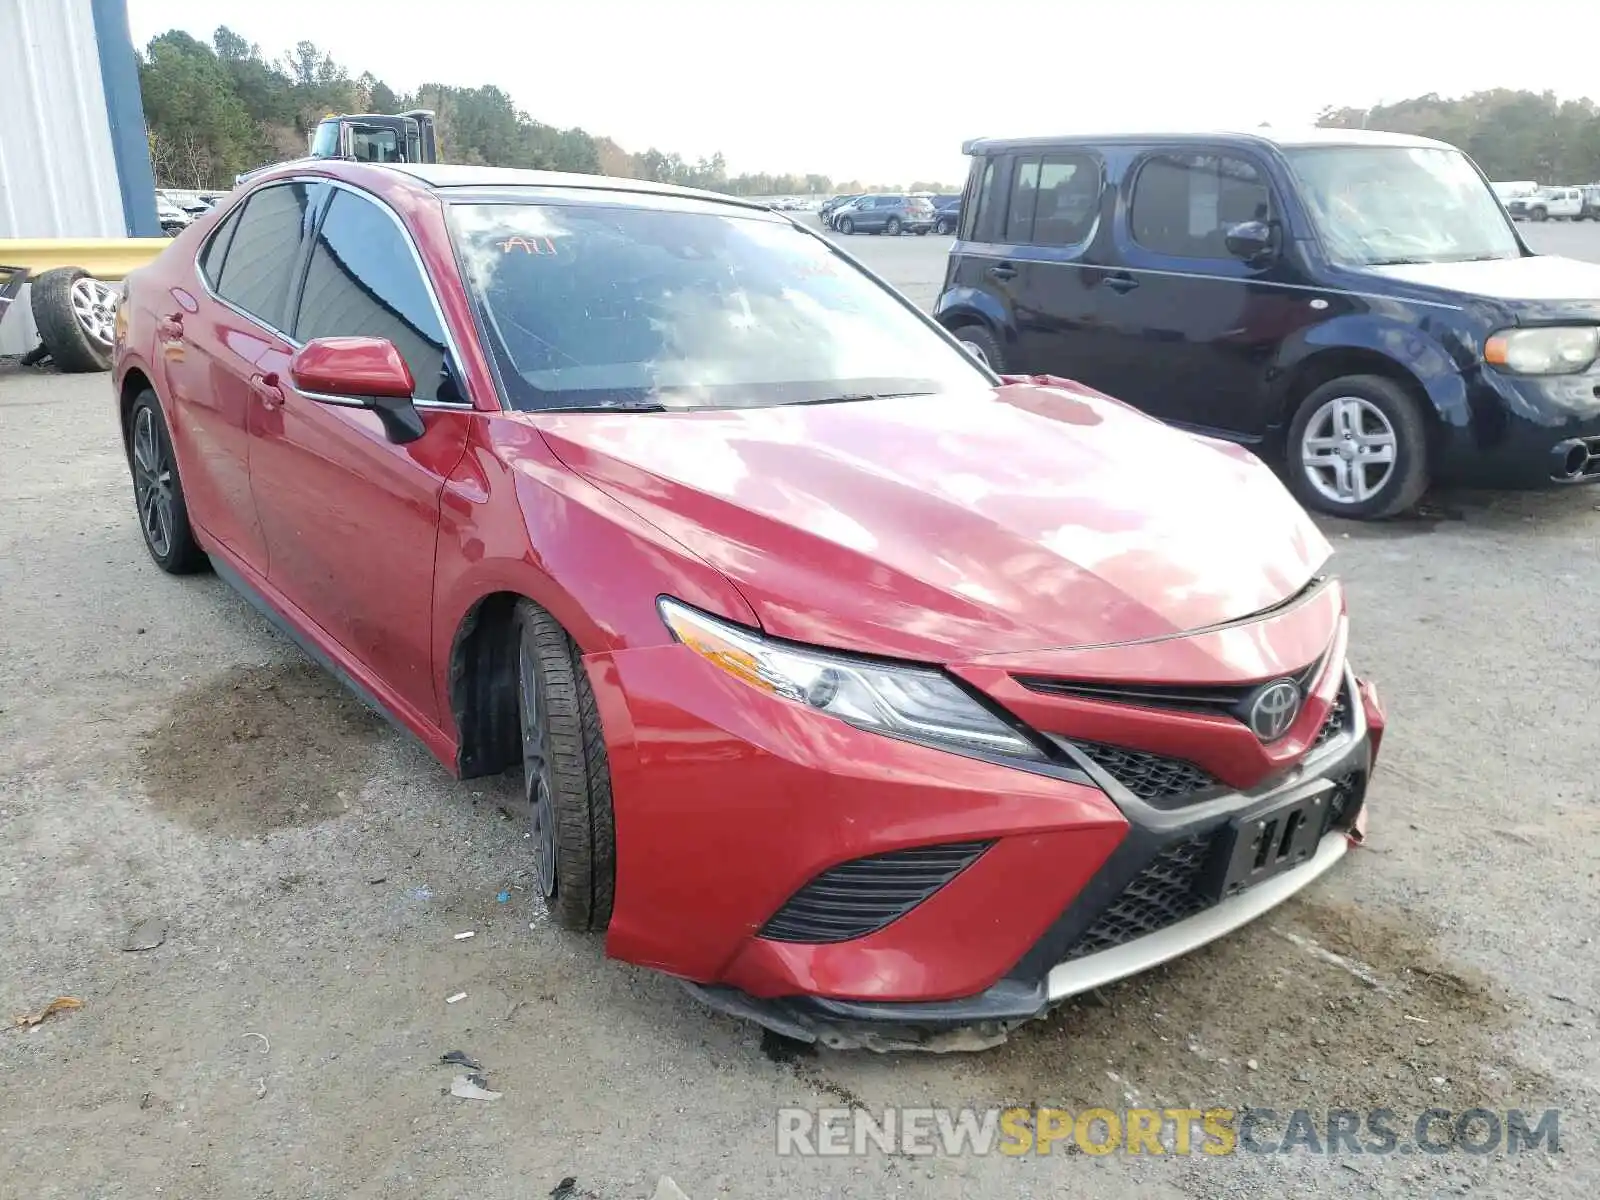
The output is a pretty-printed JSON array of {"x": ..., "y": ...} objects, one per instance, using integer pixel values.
[
  {"x": 1250, "y": 240},
  {"x": 361, "y": 372}
]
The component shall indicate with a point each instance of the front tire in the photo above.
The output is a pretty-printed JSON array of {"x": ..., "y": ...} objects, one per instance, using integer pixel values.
[
  {"x": 158, "y": 492},
  {"x": 566, "y": 774},
  {"x": 982, "y": 345},
  {"x": 1539, "y": 214},
  {"x": 1358, "y": 448},
  {"x": 945, "y": 227},
  {"x": 846, "y": 226}
]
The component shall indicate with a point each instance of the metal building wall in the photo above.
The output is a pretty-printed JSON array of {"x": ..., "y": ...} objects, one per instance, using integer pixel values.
[{"x": 74, "y": 160}]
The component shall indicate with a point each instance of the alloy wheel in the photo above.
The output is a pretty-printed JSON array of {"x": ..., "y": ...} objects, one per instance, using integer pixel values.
[
  {"x": 152, "y": 483},
  {"x": 94, "y": 305},
  {"x": 1348, "y": 450},
  {"x": 536, "y": 772}
]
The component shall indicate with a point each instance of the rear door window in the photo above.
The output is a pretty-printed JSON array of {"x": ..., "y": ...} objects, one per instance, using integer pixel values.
[
  {"x": 1067, "y": 203},
  {"x": 261, "y": 256},
  {"x": 983, "y": 215},
  {"x": 363, "y": 281},
  {"x": 1024, "y": 188},
  {"x": 1184, "y": 203}
]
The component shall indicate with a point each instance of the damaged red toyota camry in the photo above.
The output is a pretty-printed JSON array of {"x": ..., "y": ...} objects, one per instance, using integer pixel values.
[{"x": 873, "y": 695}]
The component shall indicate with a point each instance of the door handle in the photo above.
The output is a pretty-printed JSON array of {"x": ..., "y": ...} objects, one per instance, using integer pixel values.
[
  {"x": 170, "y": 329},
  {"x": 267, "y": 390},
  {"x": 1003, "y": 271},
  {"x": 1121, "y": 282}
]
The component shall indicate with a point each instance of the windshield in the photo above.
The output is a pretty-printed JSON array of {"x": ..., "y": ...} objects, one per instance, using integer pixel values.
[
  {"x": 325, "y": 142},
  {"x": 1393, "y": 204},
  {"x": 592, "y": 306}
]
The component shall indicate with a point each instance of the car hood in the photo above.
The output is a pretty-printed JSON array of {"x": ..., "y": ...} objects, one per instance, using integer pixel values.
[
  {"x": 943, "y": 528},
  {"x": 1539, "y": 287}
]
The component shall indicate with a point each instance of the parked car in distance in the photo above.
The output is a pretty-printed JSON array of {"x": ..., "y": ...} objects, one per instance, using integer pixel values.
[
  {"x": 831, "y": 206},
  {"x": 172, "y": 218},
  {"x": 659, "y": 499},
  {"x": 946, "y": 213},
  {"x": 1550, "y": 203},
  {"x": 886, "y": 214},
  {"x": 1354, "y": 305}
]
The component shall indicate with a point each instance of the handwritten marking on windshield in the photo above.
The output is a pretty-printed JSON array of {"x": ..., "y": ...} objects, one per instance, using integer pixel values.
[{"x": 533, "y": 245}]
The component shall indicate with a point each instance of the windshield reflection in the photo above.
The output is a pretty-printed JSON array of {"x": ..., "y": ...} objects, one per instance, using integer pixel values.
[{"x": 1376, "y": 206}]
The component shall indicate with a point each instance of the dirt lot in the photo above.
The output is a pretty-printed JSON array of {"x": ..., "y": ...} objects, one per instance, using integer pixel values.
[{"x": 165, "y": 758}]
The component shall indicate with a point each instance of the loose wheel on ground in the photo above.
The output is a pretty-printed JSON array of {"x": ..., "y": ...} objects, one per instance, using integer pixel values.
[
  {"x": 76, "y": 316},
  {"x": 158, "y": 492},
  {"x": 566, "y": 774},
  {"x": 1358, "y": 448}
]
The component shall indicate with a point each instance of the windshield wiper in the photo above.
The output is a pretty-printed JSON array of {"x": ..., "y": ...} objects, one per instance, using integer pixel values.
[
  {"x": 633, "y": 407},
  {"x": 1395, "y": 262},
  {"x": 848, "y": 397}
]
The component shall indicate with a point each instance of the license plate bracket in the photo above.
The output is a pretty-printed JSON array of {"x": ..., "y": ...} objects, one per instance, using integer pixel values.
[{"x": 1273, "y": 841}]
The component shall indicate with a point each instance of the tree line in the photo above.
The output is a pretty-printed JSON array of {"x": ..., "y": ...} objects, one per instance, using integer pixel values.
[
  {"x": 214, "y": 110},
  {"x": 1510, "y": 134}
]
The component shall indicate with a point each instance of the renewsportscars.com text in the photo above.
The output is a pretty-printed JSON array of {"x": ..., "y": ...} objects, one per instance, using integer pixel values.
[{"x": 952, "y": 1132}]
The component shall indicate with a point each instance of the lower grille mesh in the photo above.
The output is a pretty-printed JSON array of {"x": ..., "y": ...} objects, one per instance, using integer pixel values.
[
  {"x": 1338, "y": 720},
  {"x": 1147, "y": 776},
  {"x": 860, "y": 897},
  {"x": 1165, "y": 892}
]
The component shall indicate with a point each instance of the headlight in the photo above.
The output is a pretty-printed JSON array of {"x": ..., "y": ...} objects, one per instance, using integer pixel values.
[
  {"x": 913, "y": 703},
  {"x": 1559, "y": 350}
]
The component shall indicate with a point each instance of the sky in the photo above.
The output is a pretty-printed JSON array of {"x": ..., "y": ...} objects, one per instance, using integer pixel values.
[{"x": 838, "y": 88}]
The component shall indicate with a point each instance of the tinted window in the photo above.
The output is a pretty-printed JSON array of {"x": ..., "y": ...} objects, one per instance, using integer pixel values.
[
  {"x": 1184, "y": 203},
  {"x": 1068, "y": 200},
  {"x": 363, "y": 280},
  {"x": 261, "y": 256},
  {"x": 217, "y": 248},
  {"x": 613, "y": 306},
  {"x": 1024, "y": 187},
  {"x": 981, "y": 220}
]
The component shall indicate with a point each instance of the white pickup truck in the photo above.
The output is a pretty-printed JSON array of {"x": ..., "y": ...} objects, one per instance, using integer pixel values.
[{"x": 1559, "y": 203}]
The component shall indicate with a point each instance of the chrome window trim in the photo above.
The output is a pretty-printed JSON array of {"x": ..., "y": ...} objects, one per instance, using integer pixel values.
[
  {"x": 974, "y": 250},
  {"x": 416, "y": 257}
]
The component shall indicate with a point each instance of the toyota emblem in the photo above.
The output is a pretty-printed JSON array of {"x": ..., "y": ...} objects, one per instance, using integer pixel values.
[{"x": 1273, "y": 709}]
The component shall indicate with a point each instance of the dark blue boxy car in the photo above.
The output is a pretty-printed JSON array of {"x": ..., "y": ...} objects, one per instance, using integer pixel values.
[{"x": 1355, "y": 305}]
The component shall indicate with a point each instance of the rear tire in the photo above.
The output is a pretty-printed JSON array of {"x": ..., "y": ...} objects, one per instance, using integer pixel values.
[
  {"x": 566, "y": 774},
  {"x": 892, "y": 227},
  {"x": 158, "y": 492},
  {"x": 982, "y": 345},
  {"x": 1358, "y": 448},
  {"x": 75, "y": 318}
]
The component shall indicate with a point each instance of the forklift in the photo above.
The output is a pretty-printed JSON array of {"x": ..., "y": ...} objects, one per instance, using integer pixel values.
[{"x": 407, "y": 137}]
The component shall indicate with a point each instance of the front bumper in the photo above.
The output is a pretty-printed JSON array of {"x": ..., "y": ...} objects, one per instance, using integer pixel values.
[
  {"x": 1050, "y": 972},
  {"x": 730, "y": 804},
  {"x": 1521, "y": 432}
]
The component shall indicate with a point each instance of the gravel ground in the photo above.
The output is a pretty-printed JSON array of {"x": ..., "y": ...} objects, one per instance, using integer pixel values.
[{"x": 166, "y": 758}]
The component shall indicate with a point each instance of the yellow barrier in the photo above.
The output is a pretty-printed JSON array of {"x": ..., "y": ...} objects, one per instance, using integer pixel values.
[{"x": 109, "y": 259}]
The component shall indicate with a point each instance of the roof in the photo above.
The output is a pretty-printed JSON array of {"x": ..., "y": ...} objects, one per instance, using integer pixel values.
[
  {"x": 1279, "y": 138},
  {"x": 452, "y": 175}
]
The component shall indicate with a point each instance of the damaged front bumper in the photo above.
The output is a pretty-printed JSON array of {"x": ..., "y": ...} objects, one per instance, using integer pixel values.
[{"x": 1080, "y": 952}]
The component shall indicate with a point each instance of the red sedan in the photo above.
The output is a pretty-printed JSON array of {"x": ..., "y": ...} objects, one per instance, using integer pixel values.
[{"x": 871, "y": 694}]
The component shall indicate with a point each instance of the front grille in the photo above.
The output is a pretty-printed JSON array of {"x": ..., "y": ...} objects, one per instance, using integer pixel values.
[
  {"x": 1336, "y": 722},
  {"x": 1148, "y": 776},
  {"x": 1165, "y": 892},
  {"x": 860, "y": 897}
]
